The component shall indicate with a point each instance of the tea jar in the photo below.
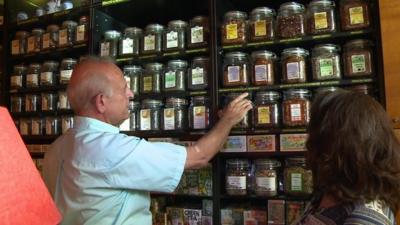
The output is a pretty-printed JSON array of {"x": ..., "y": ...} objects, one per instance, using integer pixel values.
[
  {"x": 150, "y": 115},
  {"x": 262, "y": 24},
  {"x": 134, "y": 110},
  {"x": 25, "y": 126},
  {"x": 66, "y": 123},
  {"x": 109, "y": 46},
  {"x": 132, "y": 74},
  {"x": 32, "y": 77},
  {"x": 236, "y": 69},
  {"x": 37, "y": 126},
  {"x": 266, "y": 109},
  {"x": 198, "y": 32},
  {"x": 66, "y": 69},
  {"x": 326, "y": 62},
  {"x": 354, "y": 14},
  {"x": 198, "y": 73},
  {"x": 237, "y": 176},
  {"x": 82, "y": 30},
  {"x": 321, "y": 17},
  {"x": 20, "y": 44},
  {"x": 245, "y": 122},
  {"x": 63, "y": 102},
  {"x": 291, "y": 20},
  {"x": 50, "y": 38},
  {"x": 52, "y": 126},
  {"x": 16, "y": 103},
  {"x": 199, "y": 113},
  {"x": 297, "y": 179},
  {"x": 357, "y": 57},
  {"x": 129, "y": 44},
  {"x": 49, "y": 101},
  {"x": 234, "y": 28},
  {"x": 35, "y": 40},
  {"x": 174, "y": 36},
  {"x": 32, "y": 103},
  {"x": 67, "y": 33},
  {"x": 296, "y": 107},
  {"x": 18, "y": 77},
  {"x": 174, "y": 115},
  {"x": 150, "y": 81},
  {"x": 175, "y": 76},
  {"x": 266, "y": 177},
  {"x": 263, "y": 67},
  {"x": 294, "y": 65},
  {"x": 49, "y": 73},
  {"x": 152, "y": 39}
]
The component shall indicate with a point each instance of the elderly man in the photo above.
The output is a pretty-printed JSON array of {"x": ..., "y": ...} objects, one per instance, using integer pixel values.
[{"x": 99, "y": 176}]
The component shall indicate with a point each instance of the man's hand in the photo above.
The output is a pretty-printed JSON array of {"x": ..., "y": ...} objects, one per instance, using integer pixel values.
[{"x": 234, "y": 112}]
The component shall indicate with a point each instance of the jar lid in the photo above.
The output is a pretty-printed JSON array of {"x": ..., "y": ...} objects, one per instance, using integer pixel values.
[
  {"x": 52, "y": 28},
  {"x": 295, "y": 161},
  {"x": 201, "y": 98},
  {"x": 69, "y": 23},
  {"x": 35, "y": 65},
  {"x": 133, "y": 105},
  {"x": 236, "y": 55},
  {"x": 50, "y": 62},
  {"x": 362, "y": 88},
  {"x": 297, "y": 92},
  {"x": 235, "y": 14},
  {"x": 112, "y": 34},
  {"x": 358, "y": 43},
  {"x": 133, "y": 31},
  {"x": 199, "y": 18},
  {"x": 262, "y": 11},
  {"x": 263, "y": 53},
  {"x": 178, "y": 63},
  {"x": 176, "y": 101},
  {"x": 321, "y": 3},
  {"x": 21, "y": 34},
  {"x": 154, "y": 27},
  {"x": 37, "y": 31},
  {"x": 237, "y": 162},
  {"x": 267, "y": 162},
  {"x": 132, "y": 68},
  {"x": 292, "y": 7},
  {"x": 154, "y": 66},
  {"x": 68, "y": 60},
  {"x": 326, "y": 48},
  {"x": 295, "y": 51},
  {"x": 327, "y": 89},
  {"x": 177, "y": 24},
  {"x": 273, "y": 95},
  {"x": 19, "y": 67},
  {"x": 152, "y": 102},
  {"x": 200, "y": 59}
]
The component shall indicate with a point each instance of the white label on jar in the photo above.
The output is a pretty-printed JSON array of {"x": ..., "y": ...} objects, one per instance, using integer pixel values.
[
  {"x": 267, "y": 183},
  {"x": 49, "y": 126},
  {"x": 326, "y": 67},
  {"x": 35, "y": 127},
  {"x": 358, "y": 63},
  {"x": 105, "y": 49},
  {"x": 199, "y": 117},
  {"x": 172, "y": 39},
  {"x": 128, "y": 81},
  {"x": 23, "y": 127},
  {"x": 62, "y": 40},
  {"x": 127, "y": 46},
  {"x": 46, "y": 77},
  {"x": 149, "y": 42},
  {"x": 233, "y": 74},
  {"x": 197, "y": 76},
  {"x": 46, "y": 41},
  {"x": 32, "y": 79},
  {"x": 80, "y": 33},
  {"x": 296, "y": 182},
  {"x": 170, "y": 79},
  {"x": 65, "y": 75},
  {"x": 261, "y": 72},
  {"x": 45, "y": 103},
  {"x": 295, "y": 112},
  {"x": 236, "y": 182},
  {"x": 196, "y": 34},
  {"x": 63, "y": 101},
  {"x": 125, "y": 126},
  {"x": 145, "y": 119},
  {"x": 16, "y": 81},
  {"x": 14, "y": 47},
  {"x": 293, "y": 70},
  {"x": 169, "y": 119},
  {"x": 31, "y": 44}
]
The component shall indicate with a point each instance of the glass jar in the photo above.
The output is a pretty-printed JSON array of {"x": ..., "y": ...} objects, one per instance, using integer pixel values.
[
  {"x": 262, "y": 24},
  {"x": 82, "y": 30},
  {"x": 297, "y": 179},
  {"x": 25, "y": 126},
  {"x": 198, "y": 73},
  {"x": 198, "y": 32},
  {"x": 48, "y": 73},
  {"x": 357, "y": 56},
  {"x": 236, "y": 69},
  {"x": 18, "y": 76},
  {"x": 234, "y": 28},
  {"x": 326, "y": 62},
  {"x": 326, "y": 89},
  {"x": 66, "y": 123},
  {"x": 266, "y": 177},
  {"x": 245, "y": 122},
  {"x": 263, "y": 67},
  {"x": 49, "y": 101},
  {"x": 174, "y": 78},
  {"x": 130, "y": 42},
  {"x": 109, "y": 46},
  {"x": 174, "y": 36},
  {"x": 321, "y": 17},
  {"x": 132, "y": 74},
  {"x": 52, "y": 126},
  {"x": 35, "y": 41},
  {"x": 296, "y": 107},
  {"x": 354, "y": 14},
  {"x": 363, "y": 88},
  {"x": 50, "y": 38},
  {"x": 20, "y": 43},
  {"x": 199, "y": 110},
  {"x": 237, "y": 174},
  {"x": 67, "y": 33},
  {"x": 37, "y": 126},
  {"x": 66, "y": 68},
  {"x": 149, "y": 119},
  {"x": 134, "y": 109},
  {"x": 294, "y": 66},
  {"x": 150, "y": 81},
  {"x": 291, "y": 20},
  {"x": 16, "y": 103},
  {"x": 152, "y": 39},
  {"x": 63, "y": 102},
  {"x": 32, "y": 78},
  {"x": 174, "y": 115},
  {"x": 266, "y": 109},
  {"x": 32, "y": 103}
]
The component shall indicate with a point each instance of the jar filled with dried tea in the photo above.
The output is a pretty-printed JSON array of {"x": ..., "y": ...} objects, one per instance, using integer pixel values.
[
  {"x": 174, "y": 36},
  {"x": 174, "y": 78},
  {"x": 198, "y": 32},
  {"x": 20, "y": 43},
  {"x": 109, "y": 46},
  {"x": 297, "y": 179},
  {"x": 266, "y": 109},
  {"x": 296, "y": 107},
  {"x": 263, "y": 67},
  {"x": 82, "y": 30},
  {"x": 152, "y": 39},
  {"x": 134, "y": 110},
  {"x": 174, "y": 115},
  {"x": 236, "y": 69},
  {"x": 66, "y": 123},
  {"x": 266, "y": 177},
  {"x": 294, "y": 65},
  {"x": 291, "y": 20},
  {"x": 150, "y": 114},
  {"x": 67, "y": 33},
  {"x": 49, "y": 73},
  {"x": 234, "y": 28},
  {"x": 49, "y": 101},
  {"x": 32, "y": 103},
  {"x": 245, "y": 122},
  {"x": 25, "y": 126},
  {"x": 150, "y": 81},
  {"x": 237, "y": 174},
  {"x": 50, "y": 38},
  {"x": 35, "y": 41},
  {"x": 354, "y": 14},
  {"x": 326, "y": 62},
  {"x": 53, "y": 126},
  {"x": 17, "y": 78},
  {"x": 199, "y": 110},
  {"x": 262, "y": 24},
  {"x": 16, "y": 103},
  {"x": 321, "y": 17},
  {"x": 132, "y": 74},
  {"x": 63, "y": 102},
  {"x": 198, "y": 73},
  {"x": 357, "y": 56},
  {"x": 66, "y": 69},
  {"x": 37, "y": 126},
  {"x": 129, "y": 44},
  {"x": 32, "y": 77}
]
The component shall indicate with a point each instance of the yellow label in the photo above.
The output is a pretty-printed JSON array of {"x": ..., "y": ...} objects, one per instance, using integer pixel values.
[
  {"x": 199, "y": 110},
  {"x": 320, "y": 20},
  {"x": 231, "y": 31},
  {"x": 260, "y": 28},
  {"x": 356, "y": 15},
  {"x": 263, "y": 115},
  {"x": 147, "y": 83}
]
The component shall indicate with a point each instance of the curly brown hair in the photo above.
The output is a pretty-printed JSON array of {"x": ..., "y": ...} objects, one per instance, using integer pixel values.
[{"x": 352, "y": 150}]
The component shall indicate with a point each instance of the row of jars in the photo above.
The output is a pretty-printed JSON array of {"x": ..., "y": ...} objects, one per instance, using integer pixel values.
[
  {"x": 38, "y": 75},
  {"x": 293, "y": 20},
  {"x": 179, "y": 35},
  {"x": 261, "y": 69},
  {"x": 263, "y": 177},
  {"x": 176, "y": 114},
  {"x": 45, "y": 102},
  {"x": 52, "y": 37},
  {"x": 175, "y": 76},
  {"x": 51, "y": 125}
]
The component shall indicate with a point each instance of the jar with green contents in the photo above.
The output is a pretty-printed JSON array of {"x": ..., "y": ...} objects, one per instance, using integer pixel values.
[
  {"x": 326, "y": 62},
  {"x": 129, "y": 44},
  {"x": 237, "y": 176},
  {"x": 67, "y": 33},
  {"x": 50, "y": 38},
  {"x": 17, "y": 79},
  {"x": 109, "y": 46},
  {"x": 152, "y": 39},
  {"x": 174, "y": 116},
  {"x": 297, "y": 179},
  {"x": 174, "y": 36},
  {"x": 150, "y": 81},
  {"x": 266, "y": 177},
  {"x": 66, "y": 69},
  {"x": 266, "y": 109},
  {"x": 132, "y": 74},
  {"x": 174, "y": 78},
  {"x": 32, "y": 77},
  {"x": 150, "y": 115},
  {"x": 199, "y": 110}
]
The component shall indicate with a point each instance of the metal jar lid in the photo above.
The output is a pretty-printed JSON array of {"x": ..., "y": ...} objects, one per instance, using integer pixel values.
[
  {"x": 295, "y": 161},
  {"x": 151, "y": 103},
  {"x": 34, "y": 66},
  {"x": 177, "y": 24},
  {"x": 52, "y": 28},
  {"x": 301, "y": 93},
  {"x": 50, "y": 63},
  {"x": 358, "y": 43},
  {"x": 268, "y": 95},
  {"x": 176, "y": 101},
  {"x": 133, "y": 31},
  {"x": 261, "y": 12},
  {"x": 69, "y": 24},
  {"x": 235, "y": 15},
  {"x": 295, "y": 51},
  {"x": 321, "y": 3},
  {"x": 112, "y": 34},
  {"x": 37, "y": 31},
  {"x": 20, "y": 68},
  {"x": 201, "y": 59},
  {"x": 263, "y": 54},
  {"x": 177, "y": 63},
  {"x": 68, "y": 61},
  {"x": 325, "y": 48},
  {"x": 267, "y": 163},
  {"x": 132, "y": 68},
  {"x": 237, "y": 163},
  {"x": 199, "y": 19},
  {"x": 236, "y": 55},
  {"x": 21, "y": 34},
  {"x": 154, "y": 66},
  {"x": 293, "y": 7},
  {"x": 154, "y": 27},
  {"x": 201, "y": 98},
  {"x": 327, "y": 89}
]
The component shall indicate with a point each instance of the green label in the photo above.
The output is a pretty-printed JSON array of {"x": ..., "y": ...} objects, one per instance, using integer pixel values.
[
  {"x": 358, "y": 63},
  {"x": 326, "y": 67},
  {"x": 296, "y": 182},
  {"x": 170, "y": 79}
]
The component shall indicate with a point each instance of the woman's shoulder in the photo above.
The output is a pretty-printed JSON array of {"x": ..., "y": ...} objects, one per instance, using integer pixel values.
[{"x": 371, "y": 213}]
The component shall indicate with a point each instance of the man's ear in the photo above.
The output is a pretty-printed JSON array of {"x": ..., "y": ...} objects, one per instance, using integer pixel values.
[{"x": 100, "y": 103}]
